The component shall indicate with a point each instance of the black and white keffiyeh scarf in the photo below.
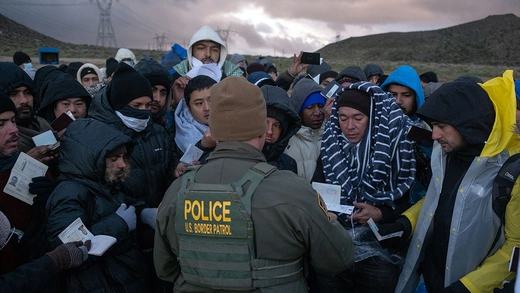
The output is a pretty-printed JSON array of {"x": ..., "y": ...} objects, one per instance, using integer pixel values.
[{"x": 381, "y": 167}]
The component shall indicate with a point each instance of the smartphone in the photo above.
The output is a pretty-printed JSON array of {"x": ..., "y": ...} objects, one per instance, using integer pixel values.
[{"x": 310, "y": 58}]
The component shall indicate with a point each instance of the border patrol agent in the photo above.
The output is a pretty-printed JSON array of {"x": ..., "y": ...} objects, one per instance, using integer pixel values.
[{"x": 239, "y": 224}]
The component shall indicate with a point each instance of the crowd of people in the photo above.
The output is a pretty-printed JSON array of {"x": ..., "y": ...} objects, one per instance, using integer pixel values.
[{"x": 202, "y": 173}]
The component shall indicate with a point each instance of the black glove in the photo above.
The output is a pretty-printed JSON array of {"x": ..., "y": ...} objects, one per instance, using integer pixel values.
[
  {"x": 456, "y": 287},
  {"x": 42, "y": 187},
  {"x": 69, "y": 255},
  {"x": 401, "y": 224},
  {"x": 509, "y": 287}
]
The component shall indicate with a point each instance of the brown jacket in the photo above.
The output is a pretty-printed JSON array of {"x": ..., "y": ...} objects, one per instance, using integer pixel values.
[{"x": 288, "y": 220}]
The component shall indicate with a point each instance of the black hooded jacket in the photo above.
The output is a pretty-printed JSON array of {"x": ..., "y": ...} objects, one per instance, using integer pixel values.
[
  {"x": 43, "y": 76},
  {"x": 62, "y": 86},
  {"x": 152, "y": 159},
  {"x": 445, "y": 105},
  {"x": 156, "y": 74},
  {"x": 82, "y": 192},
  {"x": 11, "y": 78},
  {"x": 274, "y": 152}
]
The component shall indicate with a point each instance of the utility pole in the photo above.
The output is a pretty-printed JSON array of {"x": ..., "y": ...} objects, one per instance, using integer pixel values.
[
  {"x": 106, "y": 33},
  {"x": 338, "y": 36}
]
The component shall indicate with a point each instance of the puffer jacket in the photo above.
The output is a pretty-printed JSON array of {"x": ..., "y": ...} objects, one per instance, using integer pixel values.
[
  {"x": 151, "y": 160},
  {"x": 82, "y": 192},
  {"x": 304, "y": 146}
]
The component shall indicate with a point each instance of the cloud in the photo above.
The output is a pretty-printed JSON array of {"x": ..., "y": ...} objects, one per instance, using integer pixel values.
[{"x": 256, "y": 28}]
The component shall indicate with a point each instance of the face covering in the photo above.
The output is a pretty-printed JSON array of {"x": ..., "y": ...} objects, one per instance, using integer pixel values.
[
  {"x": 131, "y": 63},
  {"x": 27, "y": 65},
  {"x": 133, "y": 118}
]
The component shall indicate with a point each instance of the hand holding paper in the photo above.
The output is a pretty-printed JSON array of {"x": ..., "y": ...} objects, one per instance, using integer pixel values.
[{"x": 77, "y": 231}]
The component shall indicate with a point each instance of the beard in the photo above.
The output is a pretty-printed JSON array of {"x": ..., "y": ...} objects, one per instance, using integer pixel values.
[
  {"x": 24, "y": 119},
  {"x": 117, "y": 175}
]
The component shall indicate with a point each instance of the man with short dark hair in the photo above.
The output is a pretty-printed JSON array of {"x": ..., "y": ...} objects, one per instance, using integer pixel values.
[
  {"x": 191, "y": 120},
  {"x": 254, "y": 241}
]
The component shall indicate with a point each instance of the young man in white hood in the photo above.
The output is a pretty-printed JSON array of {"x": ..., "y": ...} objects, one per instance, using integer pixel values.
[{"x": 206, "y": 47}]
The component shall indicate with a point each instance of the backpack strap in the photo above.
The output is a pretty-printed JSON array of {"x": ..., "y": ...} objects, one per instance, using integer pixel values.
[
  {"x": 503, "y": 184},
  {"x": 252, "y": 179}
]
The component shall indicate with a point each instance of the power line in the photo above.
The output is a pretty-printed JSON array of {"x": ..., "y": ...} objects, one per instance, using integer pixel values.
[
  {"x": 147, "y": 20},
  {"x": 105, "y": 28},
  {"x": 49, "y": 22}
]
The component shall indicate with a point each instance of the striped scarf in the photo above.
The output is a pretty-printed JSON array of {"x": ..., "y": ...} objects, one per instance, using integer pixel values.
[{"x": 381, "y": 167}]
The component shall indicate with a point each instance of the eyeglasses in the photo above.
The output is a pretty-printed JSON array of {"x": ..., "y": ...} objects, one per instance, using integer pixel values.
[{"x": 14, "y": 231}]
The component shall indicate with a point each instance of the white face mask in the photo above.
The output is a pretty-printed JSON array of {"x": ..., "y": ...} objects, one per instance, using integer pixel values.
[
  {"x": 136, "y": 124},
  {"x": 131, "y": 63},
  {"x": 27, "y": 65}
]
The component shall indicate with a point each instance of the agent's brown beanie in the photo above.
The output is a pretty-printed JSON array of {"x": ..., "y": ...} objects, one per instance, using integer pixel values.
[{"x": 237, "y": 110}]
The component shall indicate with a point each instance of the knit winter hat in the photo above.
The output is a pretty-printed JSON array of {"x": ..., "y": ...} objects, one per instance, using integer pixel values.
[
  {"x": 254, "y": 67},
  {"x": 126, "y": 86},
  {"x": 111, "y": 65},
  {"x": 355, "y": 99},
  {"x": 239, "y": 110},
  {"x": 20, "y": 58},
  {"x": 6, "y": 104},
  {"x": 5, "y": 229},
  {"x": 87, "y": 70}
]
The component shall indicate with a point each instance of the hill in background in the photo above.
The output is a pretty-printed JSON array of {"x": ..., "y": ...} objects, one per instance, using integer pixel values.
[
  {"x": 16, "y": 37},
  {"x": 494, "y": 40},
  {"x": 483, "y": 48}
]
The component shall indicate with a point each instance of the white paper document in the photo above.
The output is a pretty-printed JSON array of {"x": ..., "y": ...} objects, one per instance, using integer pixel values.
[
  {"x": 331, "y": 195},
  {"x": 375, "y": 229},
  {"x": 22, "y": 173},
  {"x": 193, "y": 153},
  {"x": 78, "y": 232},
  {"x": 46, "y": 138}
]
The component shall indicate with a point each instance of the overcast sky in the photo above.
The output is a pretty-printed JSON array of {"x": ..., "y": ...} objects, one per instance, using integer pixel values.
[{"x": 269, "y": 27}]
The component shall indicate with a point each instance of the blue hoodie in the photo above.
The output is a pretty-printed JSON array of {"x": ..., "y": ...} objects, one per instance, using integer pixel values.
[{"x": 407, "y": 76}]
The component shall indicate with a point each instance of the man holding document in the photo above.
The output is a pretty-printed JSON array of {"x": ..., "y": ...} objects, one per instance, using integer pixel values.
[
  {"x": 365, "y": 151},
  {"x": 89, "y": 188}
]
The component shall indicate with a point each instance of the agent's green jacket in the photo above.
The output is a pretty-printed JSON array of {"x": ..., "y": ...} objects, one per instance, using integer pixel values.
[{"x": 288, "y": 221}]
